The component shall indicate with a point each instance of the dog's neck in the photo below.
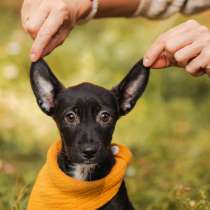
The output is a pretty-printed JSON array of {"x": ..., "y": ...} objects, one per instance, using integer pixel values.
[{"x": 85, "y": 172}]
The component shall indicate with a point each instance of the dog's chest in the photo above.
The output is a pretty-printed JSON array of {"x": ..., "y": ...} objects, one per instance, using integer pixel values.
[{"x": 81, "y": 171}]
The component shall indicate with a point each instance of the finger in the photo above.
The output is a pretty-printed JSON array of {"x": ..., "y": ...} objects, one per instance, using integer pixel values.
[
  {"x": 56, "y": 41},
  {"x": 25, "y": 10},
  {"x": 191, "y": 51},
  {"x": 180, "y": 40},
  {"x": 208, "y": 70},
  {"x": 174, "y": 43},
  {"x": 153, "y": 53},
  {"x": 184, "y": 55},
  {"x": 160, "y": 63},
  {"x": 28, "y": 7},
  {"x": 187, "y": 26},
  {"x": 160, "y": 43},
  {"x": 159, "y": 46},
  {"x": 37, "y": 19},
  {"x": 200, "y": 62},
  {"x": 48, "y": 29},
  {"x": 199, "y": 73},
  {"x": 163, "y": 61}
]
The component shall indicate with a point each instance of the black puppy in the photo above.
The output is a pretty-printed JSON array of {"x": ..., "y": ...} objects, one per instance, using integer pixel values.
[{"x": 86, "y": 116}]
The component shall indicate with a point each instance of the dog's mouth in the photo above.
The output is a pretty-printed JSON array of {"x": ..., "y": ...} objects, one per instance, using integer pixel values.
[
  {"x": 94, "y": 161},
  {"x": 90, "y": 162}
]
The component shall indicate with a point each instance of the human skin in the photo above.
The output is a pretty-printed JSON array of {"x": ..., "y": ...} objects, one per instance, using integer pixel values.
[
  {"x": 50, "y": 22},
  {"x": 186, "y": 45}
]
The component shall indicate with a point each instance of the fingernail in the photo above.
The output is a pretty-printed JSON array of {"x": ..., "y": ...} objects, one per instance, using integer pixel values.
[
  {"x": 33, "y": 57},
  {"x": 146, "y": 62}
]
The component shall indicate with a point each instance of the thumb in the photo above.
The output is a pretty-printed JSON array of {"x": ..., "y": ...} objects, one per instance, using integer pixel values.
[{"x": 164, "y": 60}]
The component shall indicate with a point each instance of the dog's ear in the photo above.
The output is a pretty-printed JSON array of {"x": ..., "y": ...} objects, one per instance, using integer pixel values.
[
  {"x": 45, "y": 86},
  {"x": 131, "y": 87}
]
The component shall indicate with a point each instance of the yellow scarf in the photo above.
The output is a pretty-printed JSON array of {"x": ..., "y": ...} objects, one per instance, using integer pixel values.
[{"x": 53, "y": 190}]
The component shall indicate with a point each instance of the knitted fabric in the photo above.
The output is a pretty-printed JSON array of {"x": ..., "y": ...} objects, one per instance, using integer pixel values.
[{"x": 54, "y": 190}]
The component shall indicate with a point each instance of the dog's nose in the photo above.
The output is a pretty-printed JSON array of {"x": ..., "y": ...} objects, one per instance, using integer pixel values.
[{"x": 89, "y": 152}]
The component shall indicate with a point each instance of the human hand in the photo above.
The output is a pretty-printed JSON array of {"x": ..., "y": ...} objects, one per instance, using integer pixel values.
[
  {"x": 50, "y": 22},
  {"x": 187, "y": 45}
]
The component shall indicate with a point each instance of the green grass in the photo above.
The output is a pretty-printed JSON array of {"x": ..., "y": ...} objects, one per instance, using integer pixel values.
[{"x": 168, "y": 131}]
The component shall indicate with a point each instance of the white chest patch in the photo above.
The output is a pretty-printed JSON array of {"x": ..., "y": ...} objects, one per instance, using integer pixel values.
[{"x": 83, "y": 171}]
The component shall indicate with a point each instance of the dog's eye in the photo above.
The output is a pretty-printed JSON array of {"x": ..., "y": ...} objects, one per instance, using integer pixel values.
[
  {"x": 71, "y": 117},
  {"x": 104, "y": 117}
]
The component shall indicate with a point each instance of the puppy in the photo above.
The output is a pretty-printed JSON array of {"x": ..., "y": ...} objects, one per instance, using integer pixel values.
[{"x": 86, "y": 116}]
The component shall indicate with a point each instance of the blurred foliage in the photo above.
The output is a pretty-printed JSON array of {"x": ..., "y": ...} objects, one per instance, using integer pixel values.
[{"x": 168, "y": 131}]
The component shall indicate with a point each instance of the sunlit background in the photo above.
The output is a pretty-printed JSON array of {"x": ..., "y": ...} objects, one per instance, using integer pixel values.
[{"x": 168, "y": 132}]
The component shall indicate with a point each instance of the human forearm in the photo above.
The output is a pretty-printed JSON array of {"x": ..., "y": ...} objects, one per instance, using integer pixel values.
[
  {"x": 116, "y": 8},
  {"x": 154, "y": 9}
]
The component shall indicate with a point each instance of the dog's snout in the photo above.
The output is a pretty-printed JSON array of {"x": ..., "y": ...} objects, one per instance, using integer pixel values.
[{"x": 89, "y": 152}]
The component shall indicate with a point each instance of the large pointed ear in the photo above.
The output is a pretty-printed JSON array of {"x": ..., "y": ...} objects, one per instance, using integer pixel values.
[
  {"x": 131, "y": 87},
  {"x": 45, "y": 86}
]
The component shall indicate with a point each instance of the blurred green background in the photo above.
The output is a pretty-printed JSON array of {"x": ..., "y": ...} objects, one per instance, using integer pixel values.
[{"x": 168, "y": 132}]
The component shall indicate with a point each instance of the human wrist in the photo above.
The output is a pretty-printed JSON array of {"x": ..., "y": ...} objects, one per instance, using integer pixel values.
[
  {"x": 116, "y": 8},
  {"x": 106, "y": 8},
  {"x": 84, "y": 8}
]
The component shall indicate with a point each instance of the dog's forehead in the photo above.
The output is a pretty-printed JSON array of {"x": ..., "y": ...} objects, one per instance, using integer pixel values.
[{"x": 86, "y": 92}]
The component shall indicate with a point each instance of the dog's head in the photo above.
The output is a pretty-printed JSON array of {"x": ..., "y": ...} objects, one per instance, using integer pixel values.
[{"x": 86, "y": 114}]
